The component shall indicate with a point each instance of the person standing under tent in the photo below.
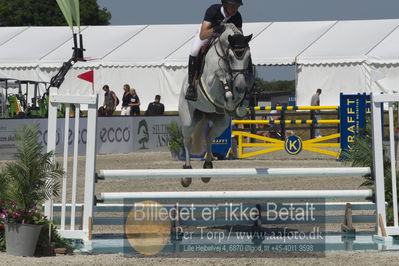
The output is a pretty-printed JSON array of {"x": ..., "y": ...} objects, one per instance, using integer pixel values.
[
  {"x": 126, "y": 100},
  {"x": 315, "y": 101},
  {"x": 156, "y": 107},
  {"x": 134, "y": 103},
  {"x": 110, "y": 101}
]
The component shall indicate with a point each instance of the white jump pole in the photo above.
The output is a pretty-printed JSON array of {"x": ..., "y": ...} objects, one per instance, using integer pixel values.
[
  {"x": 238, "y": 172},
  {"x": 237, "y": 195},
  {"x": 65, "y": 166}
]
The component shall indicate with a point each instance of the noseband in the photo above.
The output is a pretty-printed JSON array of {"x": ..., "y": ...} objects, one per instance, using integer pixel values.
[{"x": 238, "y": 52}]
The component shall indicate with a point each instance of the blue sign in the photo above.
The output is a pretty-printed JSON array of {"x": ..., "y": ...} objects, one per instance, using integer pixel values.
[
  {"x": 220, "y": 146},
  {"x": 293, "y": 145},
  {"x": 292, "y": 100},
  {"x": 354, "y": 109}
]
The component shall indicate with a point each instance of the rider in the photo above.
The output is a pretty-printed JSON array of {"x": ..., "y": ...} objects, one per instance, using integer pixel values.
[{"x": 227, "y": 12}]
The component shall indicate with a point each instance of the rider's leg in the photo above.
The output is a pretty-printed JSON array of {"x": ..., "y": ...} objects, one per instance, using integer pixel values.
[
  {"x": 191, "y": 93},
  {"x": 250, "y": 69}
]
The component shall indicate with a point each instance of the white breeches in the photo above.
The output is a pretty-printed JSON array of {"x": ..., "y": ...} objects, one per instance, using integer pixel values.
[{"x": 197, "y": 44}]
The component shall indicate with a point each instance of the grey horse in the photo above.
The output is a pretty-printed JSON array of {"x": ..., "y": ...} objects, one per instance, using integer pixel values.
[{"x": 223, "y": 88}]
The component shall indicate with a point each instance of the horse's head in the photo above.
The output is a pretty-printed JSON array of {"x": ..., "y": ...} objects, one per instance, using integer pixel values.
[{"x": 237, "y": 58}]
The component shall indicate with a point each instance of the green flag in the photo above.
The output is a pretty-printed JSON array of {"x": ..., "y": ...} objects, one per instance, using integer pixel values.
[
  {"x": 75, "y": 12},
  {"x": 70, "y": 9}
]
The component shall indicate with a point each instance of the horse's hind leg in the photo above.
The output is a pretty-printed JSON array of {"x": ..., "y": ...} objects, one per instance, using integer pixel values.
[
  {"x": 207, "y": 165},
  {"x": 219, "y": 124},
  {"x": 187, "y": 139},
  {"x": 186, "y": 181},
  {"x": 208, "y": 158}
]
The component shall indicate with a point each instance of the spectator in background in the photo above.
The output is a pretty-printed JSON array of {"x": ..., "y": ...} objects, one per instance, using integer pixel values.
[
  {"x": 156, "y": 107},
  {"x": 271, "y": 129},
  {"x": 315, "y": 101},
  {"x": 110, "y": 101},
  {"x": 273, "y": 116},
  {"x": 134, "y": 103},
  {"x": 126, "y": 100}
]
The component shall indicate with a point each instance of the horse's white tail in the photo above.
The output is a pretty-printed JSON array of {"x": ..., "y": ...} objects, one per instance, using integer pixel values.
[{"x": 198, "y": 142}]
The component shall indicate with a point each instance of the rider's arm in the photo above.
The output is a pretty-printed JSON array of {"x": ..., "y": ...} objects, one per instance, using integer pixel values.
[{"x": 206, "y": 30}]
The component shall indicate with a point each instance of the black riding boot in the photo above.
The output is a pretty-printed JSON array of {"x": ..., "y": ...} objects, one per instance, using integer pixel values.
[
  {"x": 191, "y": 93},
  {"x": 250, "y": 77}
]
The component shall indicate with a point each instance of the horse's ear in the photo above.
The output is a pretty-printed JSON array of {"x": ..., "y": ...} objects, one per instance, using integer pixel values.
[
  {"x": 231, "y": 39},
  {"x": 247, "y": 38}
]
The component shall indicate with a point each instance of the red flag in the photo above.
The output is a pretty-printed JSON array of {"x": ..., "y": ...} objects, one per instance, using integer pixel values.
[{"x": 88, "y": 76}]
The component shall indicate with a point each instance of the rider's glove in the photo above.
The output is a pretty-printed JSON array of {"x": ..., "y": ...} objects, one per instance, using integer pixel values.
[{"x": 219, "y": 29}]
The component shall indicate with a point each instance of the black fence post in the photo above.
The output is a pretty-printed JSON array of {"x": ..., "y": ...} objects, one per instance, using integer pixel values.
[
  {"x": 312, "y": 126},
  {"x": 253, "y": 103},
  {"x": 282, "y": 125}
]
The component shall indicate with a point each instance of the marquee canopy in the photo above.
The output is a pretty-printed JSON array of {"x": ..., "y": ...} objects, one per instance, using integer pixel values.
[
  {"x": 273, "y": 43},
  {"x": 153, "y": 58}
]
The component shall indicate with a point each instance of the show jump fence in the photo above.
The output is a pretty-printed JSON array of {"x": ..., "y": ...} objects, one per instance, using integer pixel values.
[
  {"x": 269, "y": 144},
  {"x": 91, "y": 177}
]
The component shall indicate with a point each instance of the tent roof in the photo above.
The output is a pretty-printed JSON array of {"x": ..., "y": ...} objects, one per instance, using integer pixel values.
[
  {"x": 99, "y": 41},
  {"x": 273, "y": 43},
  {"x": 281, "y": 42},
  {"x": 387, "y": 52},
  {"x": 152, "y": 45},
  {"x": 348, "y": 42},
  {"x": 32, "y": 44}
]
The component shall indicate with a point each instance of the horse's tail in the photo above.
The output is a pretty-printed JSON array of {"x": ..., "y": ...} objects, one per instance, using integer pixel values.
[{"x": 198, "y": 142}]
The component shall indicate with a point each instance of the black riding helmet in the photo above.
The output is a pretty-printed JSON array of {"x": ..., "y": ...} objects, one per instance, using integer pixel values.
[{"x": 234, "y": 2}]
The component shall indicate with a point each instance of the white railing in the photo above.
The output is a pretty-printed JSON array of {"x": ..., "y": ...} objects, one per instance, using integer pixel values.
[
  {"x": 378, "y": 101},
  {"x": 89, "y": 177}
]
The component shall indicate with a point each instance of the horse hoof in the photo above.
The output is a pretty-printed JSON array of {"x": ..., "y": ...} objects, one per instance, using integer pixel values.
[
  {"x": 187, "y": 167},
  {"x": 205, "y": 179},
  {"x": 186, "y": 181},
  {"x": 207, "y": 165}
]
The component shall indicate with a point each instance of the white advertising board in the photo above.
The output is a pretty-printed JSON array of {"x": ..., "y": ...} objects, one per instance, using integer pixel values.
[{"x": 114, "y": 134}]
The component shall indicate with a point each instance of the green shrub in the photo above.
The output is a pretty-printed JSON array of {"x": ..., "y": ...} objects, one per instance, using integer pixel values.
[{"x": 175, "y": 137}]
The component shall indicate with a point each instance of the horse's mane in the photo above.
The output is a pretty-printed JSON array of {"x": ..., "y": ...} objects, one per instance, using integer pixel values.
[{"x": 233, "y": 28}]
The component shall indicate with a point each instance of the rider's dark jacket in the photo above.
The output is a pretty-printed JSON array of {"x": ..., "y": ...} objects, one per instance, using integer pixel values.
[{"x": 214, "y": 15}]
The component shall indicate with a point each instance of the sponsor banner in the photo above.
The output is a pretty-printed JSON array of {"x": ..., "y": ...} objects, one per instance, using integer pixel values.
[
  {"x": 114, "y": 134},
  {"x": 222, "y": 144},
  {"x": 354, "y": 109}
]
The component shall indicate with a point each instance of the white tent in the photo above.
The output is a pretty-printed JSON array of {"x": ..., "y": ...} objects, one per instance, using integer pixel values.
[
  {"x": 337, "y": 56},
  {"x": 339, "y": 60}
]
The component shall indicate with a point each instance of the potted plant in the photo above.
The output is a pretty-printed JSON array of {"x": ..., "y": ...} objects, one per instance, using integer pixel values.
[
  {"x": 27, "y": 182},
  {"x": 22, "y": 228},
  {"x": 175, "y": 145}
]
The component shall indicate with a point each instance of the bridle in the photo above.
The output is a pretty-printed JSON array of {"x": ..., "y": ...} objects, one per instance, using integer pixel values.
[
  {"x": 222, "y": 53},
  {"x": 239, "y": 53}
]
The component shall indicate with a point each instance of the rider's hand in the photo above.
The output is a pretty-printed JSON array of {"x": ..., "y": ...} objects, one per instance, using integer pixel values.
[{"x": 219, "y": 29}]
